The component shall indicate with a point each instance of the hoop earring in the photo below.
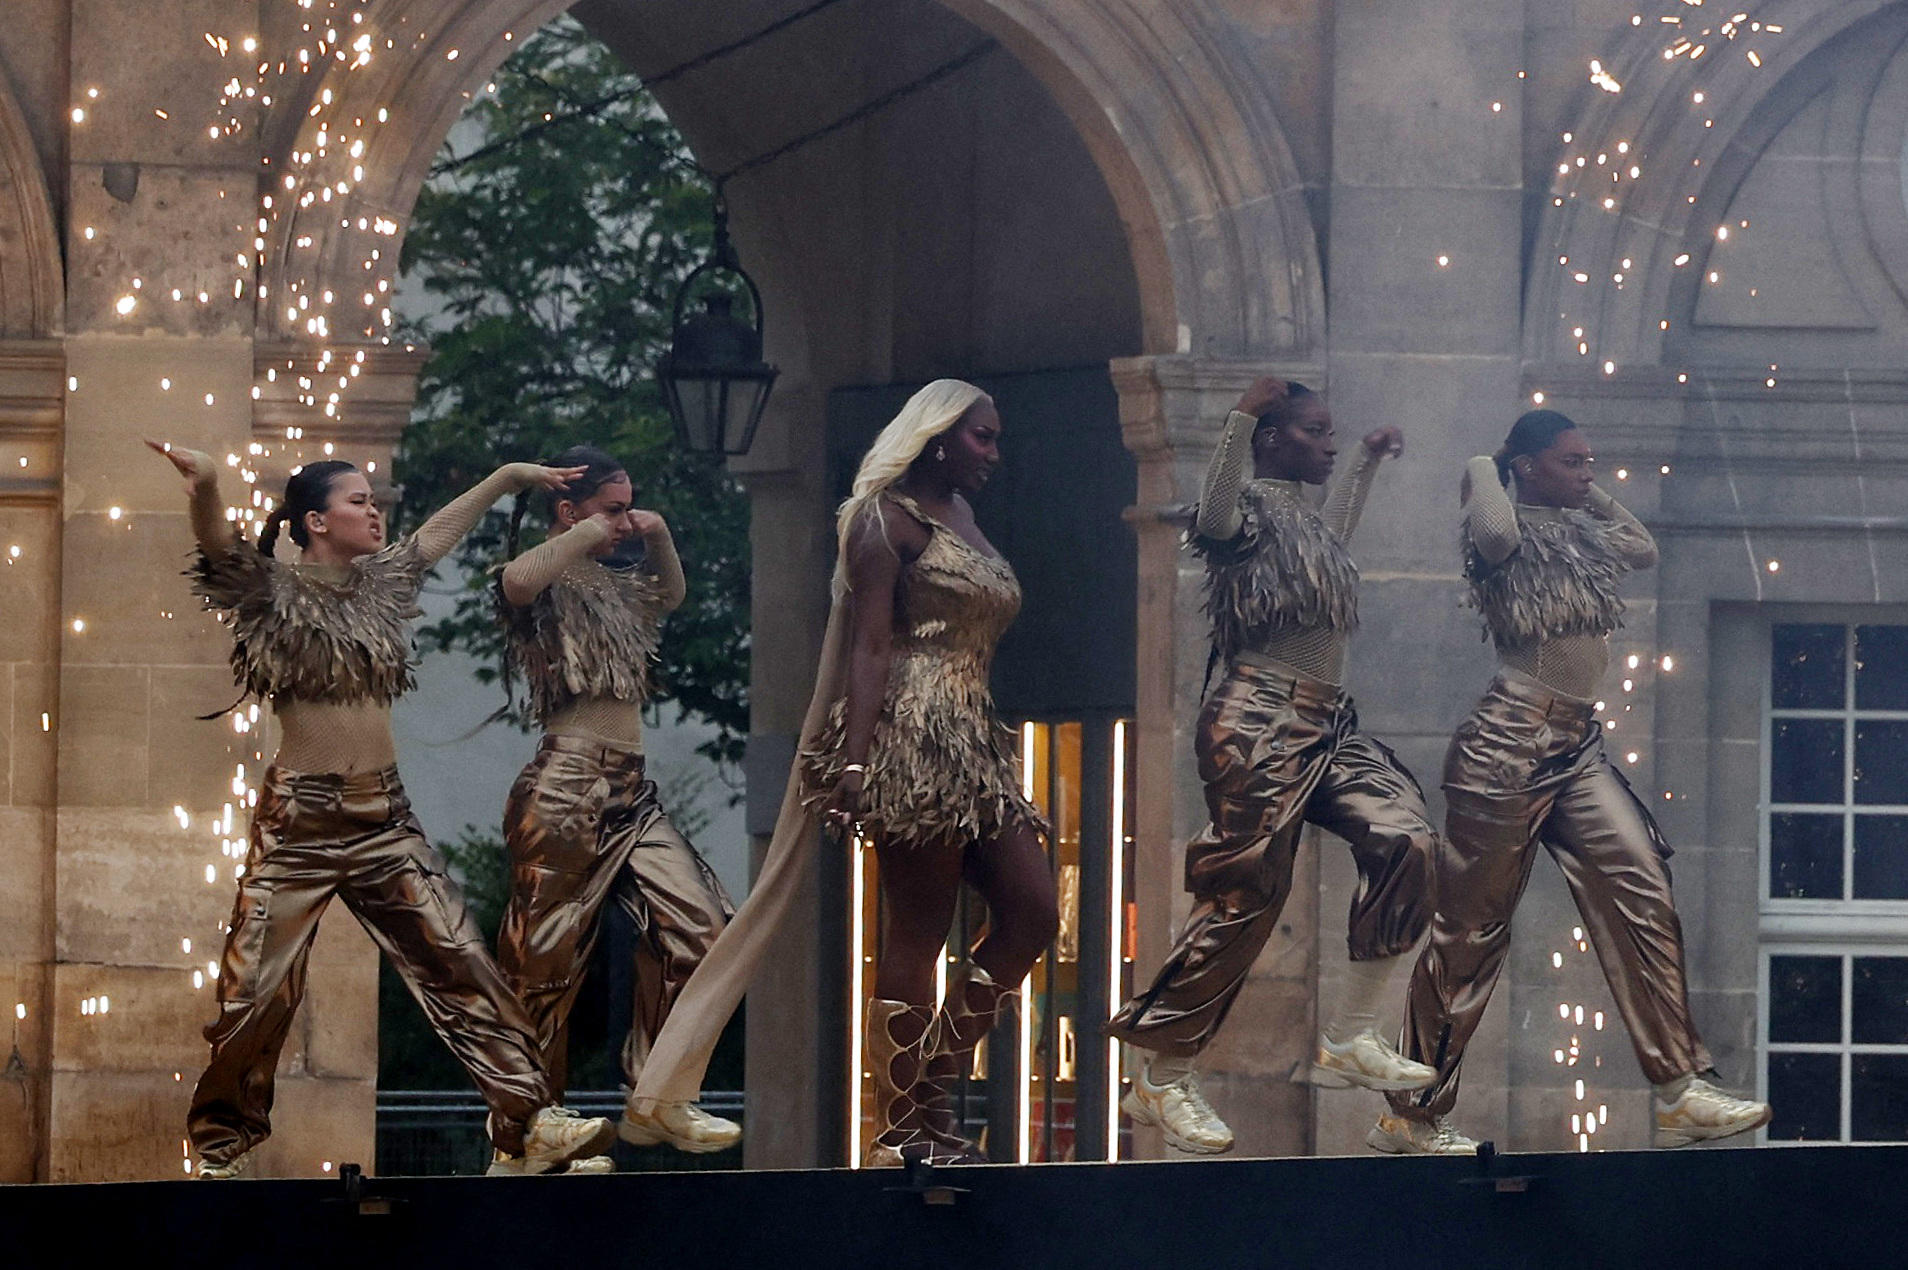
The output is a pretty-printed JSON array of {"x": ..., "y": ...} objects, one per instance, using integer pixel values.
[{"x": 940, "y": 454}]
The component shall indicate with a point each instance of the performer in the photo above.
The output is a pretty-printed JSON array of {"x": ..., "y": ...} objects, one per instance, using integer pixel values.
[
  {"x": 1529, "y": 765},
  {"x": 913, "y": 752},
  {"x": 583, "y": 824},
  {"x": 901, "y": 737},
  {"x": 325, "y": 641},
  {"x": 1279, "y": 745}
]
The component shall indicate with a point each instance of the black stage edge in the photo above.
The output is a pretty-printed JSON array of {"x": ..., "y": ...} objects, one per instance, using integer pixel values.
[{"x": 1790, "y": 1207}]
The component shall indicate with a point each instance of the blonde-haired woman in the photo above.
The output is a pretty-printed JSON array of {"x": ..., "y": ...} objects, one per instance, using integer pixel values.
[{"x": 901, "y": 738}]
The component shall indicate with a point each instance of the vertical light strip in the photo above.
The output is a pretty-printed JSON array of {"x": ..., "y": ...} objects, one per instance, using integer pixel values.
[
  {"x": 1023, "y": 1096},
  {"x": 857, "y": 898},
  {"x": 1026, "y": 1069},
  {"x": 1116, "y": 929}
]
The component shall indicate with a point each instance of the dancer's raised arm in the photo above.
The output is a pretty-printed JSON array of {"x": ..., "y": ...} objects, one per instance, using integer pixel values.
[
  {"x": 1219, "y": 517},
  {"x": 1632, "y": 541},
  {"x": 209, "y": 524},
  {"x": 1346, "y": 503},
  {"x": 1488, "y": 512},
  {"x": 444, "y": 530}
]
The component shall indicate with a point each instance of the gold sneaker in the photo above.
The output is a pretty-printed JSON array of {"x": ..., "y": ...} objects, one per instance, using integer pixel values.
[
  {"x": 1704, "y": 1112},
  {"x": 590, "y": 1164},
  {"x": 1369, "y": 1063},
  {"x": 1178, "y": 1110},
  {"x": 224, "y": 1170},
  {"x": 554, "y": 1138},
  {"x": 682, "y": 1125},
  {"x": 1401, "y": 1135}
]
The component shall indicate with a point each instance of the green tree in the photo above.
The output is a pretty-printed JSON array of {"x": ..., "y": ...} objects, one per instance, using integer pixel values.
[{"x": 540, "y": 267}]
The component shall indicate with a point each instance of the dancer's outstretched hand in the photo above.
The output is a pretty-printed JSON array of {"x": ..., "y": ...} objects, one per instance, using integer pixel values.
[
  {"x": 1385, "y": 443},
  {"x": 537, "y": 476},
  {"x": 196, "y": 466},
  {"x": 1266, "y": 392}
]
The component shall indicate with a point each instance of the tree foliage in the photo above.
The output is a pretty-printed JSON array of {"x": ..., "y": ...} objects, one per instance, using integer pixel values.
[{"x": 540, "y": 267}]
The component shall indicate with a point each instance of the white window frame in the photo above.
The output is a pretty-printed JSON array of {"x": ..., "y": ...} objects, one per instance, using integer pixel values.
[
  {"x": 1845, "y": 1048},
  {"x": 1848, "y": 928}
]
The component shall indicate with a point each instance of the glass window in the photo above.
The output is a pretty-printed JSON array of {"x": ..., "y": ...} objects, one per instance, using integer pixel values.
[
  {"x": 1805, "y": 999},
  {"x": 1881, "y": 761},
  {"x": 1805, "y": 856},
  {"x": 1808, "y": 667},
  {"x": 1837, "y": 1046},
  {"x": 1805, "y": 761},
  {"x": 1881, "y": 858},
  {"x": 1806, "y": 1093},
  {"x": 1881, "y": 667},
  {"x": 1835, "y": 1014},
  {"x": 1837, "y": 816}
]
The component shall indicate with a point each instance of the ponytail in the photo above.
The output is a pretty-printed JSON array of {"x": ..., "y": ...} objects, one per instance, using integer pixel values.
[
  {"x": 269, "y": 538},
  {"x": 1534, "y": 432}
]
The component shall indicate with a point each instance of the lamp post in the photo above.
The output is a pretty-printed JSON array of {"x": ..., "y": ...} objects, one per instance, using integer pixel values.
[{"x": 713, "y": 376}]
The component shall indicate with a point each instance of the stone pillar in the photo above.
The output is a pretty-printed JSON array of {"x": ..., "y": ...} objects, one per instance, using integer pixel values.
[
  {"x": 793, "y": 1061},
  {"x": 144, "y": 859},
  {"x": 1426, "y": 225},
  {"x": 32, "y": 387},
  {"x": 1171, "y": 413}
]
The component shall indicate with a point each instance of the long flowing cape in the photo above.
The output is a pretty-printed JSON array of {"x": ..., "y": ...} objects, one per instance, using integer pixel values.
[{"x": 679, "y": 1058}]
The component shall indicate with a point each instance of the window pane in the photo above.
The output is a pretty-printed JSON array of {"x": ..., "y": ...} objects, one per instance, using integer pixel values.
[
  {"x": 1881, "y": 761},
  {"x": 1881, "y": 667},
  {"x": 1805, "y": 1000},
  {"x": 1806, "y": 1092},
  {"x": 1807, "y": 665},
  {"x": 1881, "y": 857},
  {"x": 1805, "y": 856},
  {"x": 1879, "y": 997},
  {"x": 1805, "y": 765},
  {"x": 1878, "y": 1098}
]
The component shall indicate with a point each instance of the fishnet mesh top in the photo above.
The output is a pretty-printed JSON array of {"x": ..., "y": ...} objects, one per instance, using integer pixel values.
[
  {"x": 609, "y": 721},
  {"x": 1572, "y": 665},
  {"x": 355, "y": 736},
  {"x": 1317, "y": 652}
]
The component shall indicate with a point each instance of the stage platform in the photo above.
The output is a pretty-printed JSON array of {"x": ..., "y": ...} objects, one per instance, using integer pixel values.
[{"x": 1814, "y": 1207}]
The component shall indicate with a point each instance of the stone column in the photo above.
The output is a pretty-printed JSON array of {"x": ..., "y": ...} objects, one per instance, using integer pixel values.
[
  {"x": 1426, "y": 223},
  {"x": 32, "y": 388},
  {"x": 795, "y": 1035},
  {"x": 145, "y": 853},
  {"x": 1171, "y": 413}
]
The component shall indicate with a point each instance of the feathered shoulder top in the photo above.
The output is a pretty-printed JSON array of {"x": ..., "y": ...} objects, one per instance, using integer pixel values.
[
  {"x": 1286, "y": 571},
  {"x": 1561, "y": 581},
  {"x": 302, "y": 634},
  {"x": 590, "y": 634}
]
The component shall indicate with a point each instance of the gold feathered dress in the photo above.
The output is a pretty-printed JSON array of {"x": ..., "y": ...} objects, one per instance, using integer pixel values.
[{"x": 941, "y": 767}]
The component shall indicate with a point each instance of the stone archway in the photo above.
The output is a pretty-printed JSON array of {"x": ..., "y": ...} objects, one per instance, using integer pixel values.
[
  {"x": 1627, "y": 255},
  {"x": 1209, "y": 203},
  {"x": 30, "y": 269}
]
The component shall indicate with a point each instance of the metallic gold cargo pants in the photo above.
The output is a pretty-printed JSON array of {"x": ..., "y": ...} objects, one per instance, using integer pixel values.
[
  {"x": 1277, "y": 750},
  {"x": 583, "y": 826},
  {"x": 1529, "y": 766},
  {"x": 313, "y": 837}
]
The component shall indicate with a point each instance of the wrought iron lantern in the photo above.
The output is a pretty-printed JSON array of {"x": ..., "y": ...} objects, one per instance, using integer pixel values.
[{"x": 713, "y": 375}]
